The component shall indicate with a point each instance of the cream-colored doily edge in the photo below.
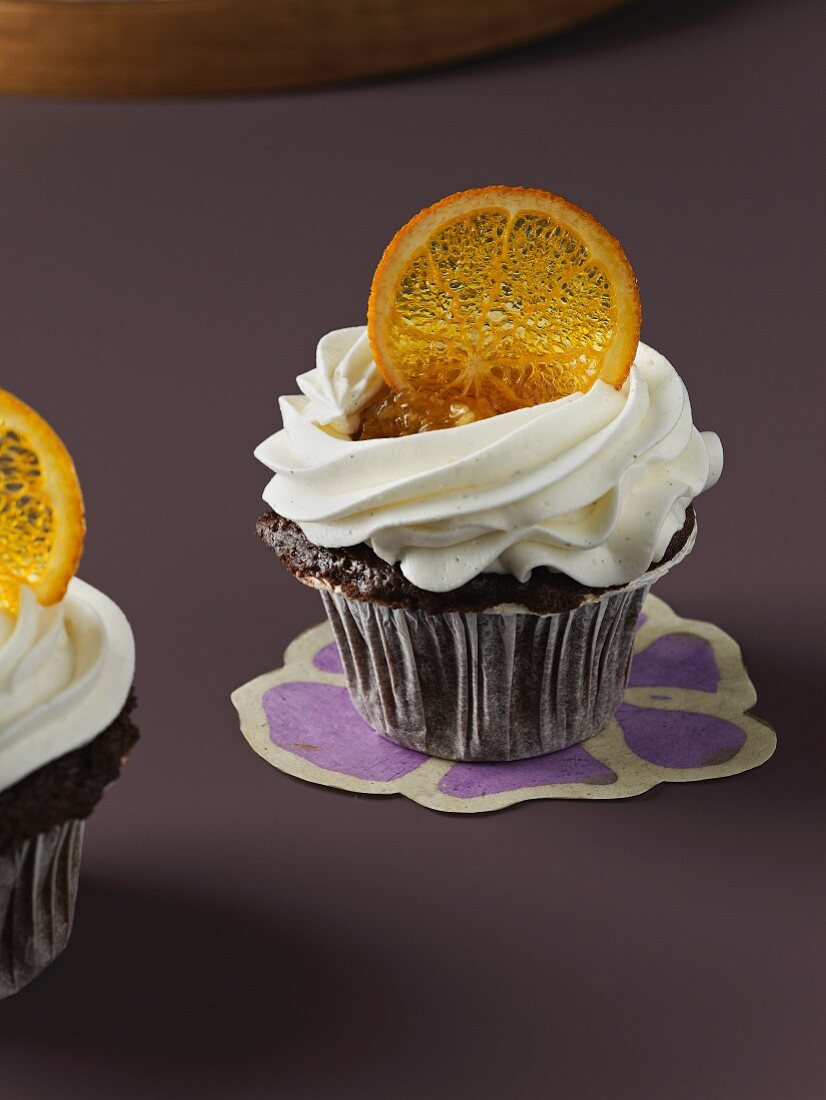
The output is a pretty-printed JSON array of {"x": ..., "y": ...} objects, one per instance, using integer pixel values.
[{"x": 731, "y": 702}]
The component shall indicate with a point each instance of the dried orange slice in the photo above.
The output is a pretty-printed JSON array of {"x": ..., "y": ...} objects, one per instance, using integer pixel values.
[
  {"x": 41, "y": 507},
  {"x": 504, "y": 294}
]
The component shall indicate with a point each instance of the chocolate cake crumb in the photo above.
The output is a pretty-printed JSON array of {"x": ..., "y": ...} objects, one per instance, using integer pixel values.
[
  {"x": 359, "y": 574},
  {"x": 66, "y": 788}
]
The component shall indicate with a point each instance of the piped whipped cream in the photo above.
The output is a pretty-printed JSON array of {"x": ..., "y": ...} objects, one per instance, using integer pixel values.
[
  {"x": 593, "y": 485},
  {"x": 65, "y": 673}
]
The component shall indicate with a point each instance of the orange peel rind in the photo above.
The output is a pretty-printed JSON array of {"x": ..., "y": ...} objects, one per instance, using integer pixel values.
[
  {"x": 42, "y": 523},
  {"x": 509, "y": 295}
]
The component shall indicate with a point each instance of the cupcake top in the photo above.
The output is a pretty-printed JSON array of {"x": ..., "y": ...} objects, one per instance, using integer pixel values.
[
  {"x": 500, "y": 414},
  {"x": 593, "y": 485},
  {"x": 67, "y": 654},
  {"x": 65, "y": 673}
]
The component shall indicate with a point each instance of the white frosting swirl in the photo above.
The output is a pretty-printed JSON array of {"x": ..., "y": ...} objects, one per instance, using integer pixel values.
[
  {"x": 593, "y": 485},
  {"x": 65, "y": 672}
]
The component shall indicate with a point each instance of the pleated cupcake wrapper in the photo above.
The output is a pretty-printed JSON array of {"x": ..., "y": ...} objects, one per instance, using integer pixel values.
[
  {"x": 38, "y": 887},
  {"x": 499, "y": 684},
  {"x": 482, "y": 685}
]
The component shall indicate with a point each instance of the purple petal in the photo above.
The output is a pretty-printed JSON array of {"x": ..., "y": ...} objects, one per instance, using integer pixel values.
[
  {"x": 573, "y": 765},
  {"x": 642, "y": 619},
  {"x": 328, "y": 659},
  {"x": 676, "y": 660},
  {"x": 319, "y": 723},
  {"x": 678, "y": 738}
]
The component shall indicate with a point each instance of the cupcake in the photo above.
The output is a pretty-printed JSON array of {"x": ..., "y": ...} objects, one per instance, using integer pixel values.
[
  {"x": 485, "y": 482},
  {"x": 67, "y": 660}
]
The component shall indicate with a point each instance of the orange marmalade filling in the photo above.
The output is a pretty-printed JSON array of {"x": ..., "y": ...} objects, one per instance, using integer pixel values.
[{"x": 406, "y": 412}]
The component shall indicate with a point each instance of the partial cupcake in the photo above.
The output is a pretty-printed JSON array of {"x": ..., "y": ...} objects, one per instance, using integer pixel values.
[
  {"x": 485, "y": 483},
  {"x": 67, "y": 661}
]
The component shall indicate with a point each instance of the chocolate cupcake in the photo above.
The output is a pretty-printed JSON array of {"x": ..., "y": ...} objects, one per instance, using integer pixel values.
[
  {"x": 67, "y": 661},
  {"x": 495, "y": 669},
  {"x": 483, "y": 553}
]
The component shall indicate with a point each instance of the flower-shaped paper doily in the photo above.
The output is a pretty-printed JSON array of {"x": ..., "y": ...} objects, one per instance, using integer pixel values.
[{"x": 684, "y": 717}]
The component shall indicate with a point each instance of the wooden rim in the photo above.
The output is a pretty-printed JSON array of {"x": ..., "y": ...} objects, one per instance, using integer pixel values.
[{"x": 179, "y": 47}]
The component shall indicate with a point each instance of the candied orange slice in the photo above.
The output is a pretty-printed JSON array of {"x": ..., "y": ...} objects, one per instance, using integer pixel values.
[
  {"x": 505, "y": 294},
  {"x": 41, "y": 507}
]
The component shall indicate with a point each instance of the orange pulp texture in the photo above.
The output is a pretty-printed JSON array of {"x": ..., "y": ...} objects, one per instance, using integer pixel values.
[
  {"x": 42, "y": 523},
  {"x": 492, "y": 300}
]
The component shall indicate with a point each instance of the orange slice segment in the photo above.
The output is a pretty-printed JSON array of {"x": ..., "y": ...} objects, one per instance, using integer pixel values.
[
  {"x": 41, "y": 507},
  {"x": 505, "y": 294}
]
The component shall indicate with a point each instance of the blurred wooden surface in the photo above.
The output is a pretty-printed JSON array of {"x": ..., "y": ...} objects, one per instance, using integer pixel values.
[{"x": 179, "y": 47}]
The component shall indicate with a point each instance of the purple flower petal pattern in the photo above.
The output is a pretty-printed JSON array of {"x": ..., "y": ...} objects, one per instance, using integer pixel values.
[
  {"x": 319, "y": 723},
  {"x": 328, "y": 659},
  {"x": 685, "y": 715},
  {"x": 573, "y": 765},
  {"x": 676, "y": 660},
  {"x": 678, "y": 739}
]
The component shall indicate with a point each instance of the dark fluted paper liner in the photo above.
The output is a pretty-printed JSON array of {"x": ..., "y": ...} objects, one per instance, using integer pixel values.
[
  {"x": 489, "y": 685},
  {"x": 38, "y": 887}
]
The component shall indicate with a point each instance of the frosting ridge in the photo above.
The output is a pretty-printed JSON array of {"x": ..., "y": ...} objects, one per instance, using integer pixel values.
[
  {"x": 65, "y": 673},
  {"x": 593, "y": 485}
]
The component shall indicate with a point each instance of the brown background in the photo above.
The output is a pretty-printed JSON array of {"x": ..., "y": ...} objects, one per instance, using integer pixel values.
[{"x": 166, "y": 271}]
